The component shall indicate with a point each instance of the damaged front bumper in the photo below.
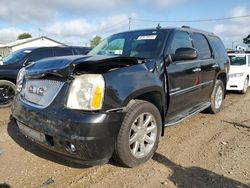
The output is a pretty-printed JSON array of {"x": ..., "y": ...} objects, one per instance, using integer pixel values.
[{"x": 83, "y": 137}]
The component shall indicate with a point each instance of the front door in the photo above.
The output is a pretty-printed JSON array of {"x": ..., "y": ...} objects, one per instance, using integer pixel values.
[{"x": 184, "y": 78}]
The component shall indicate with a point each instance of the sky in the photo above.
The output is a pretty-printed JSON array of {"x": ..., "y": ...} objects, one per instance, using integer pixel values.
[{"x": 76, "y": 22}]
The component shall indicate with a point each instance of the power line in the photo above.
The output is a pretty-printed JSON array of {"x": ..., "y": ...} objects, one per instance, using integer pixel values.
[{"x": 188, "y": 21}]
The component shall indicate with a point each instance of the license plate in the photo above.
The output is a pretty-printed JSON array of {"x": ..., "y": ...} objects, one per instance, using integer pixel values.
[{"x": 31, "y": 133}]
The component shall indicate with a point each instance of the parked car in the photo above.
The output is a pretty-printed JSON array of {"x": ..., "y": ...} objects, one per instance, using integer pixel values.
[
  {"x": 239, "y": 71},
  {"x": 117, "y": 100},
  {"x": 15, "y": 61}
]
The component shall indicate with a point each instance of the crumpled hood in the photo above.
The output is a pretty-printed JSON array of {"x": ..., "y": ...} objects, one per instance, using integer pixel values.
[{"x": 65, "y": 66}]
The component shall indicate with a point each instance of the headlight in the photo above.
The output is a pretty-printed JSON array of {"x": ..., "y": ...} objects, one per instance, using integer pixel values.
[
  {"x": 234, "y": 75},
  {"x": 19, "y": 80},
  {"x": 86, "y": 92}
]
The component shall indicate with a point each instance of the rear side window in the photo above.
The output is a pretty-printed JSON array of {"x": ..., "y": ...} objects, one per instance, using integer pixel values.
[
  {"x": 249, "y": 60},
  {"x": 81, "y": 51},
  {"x": 40, "y": 54},
  {"x": 202, "y": 46},
  {"x": 63, "y": 51},
  {"x": 181, "y": 39},
  {"x": 218, "y": 46}
]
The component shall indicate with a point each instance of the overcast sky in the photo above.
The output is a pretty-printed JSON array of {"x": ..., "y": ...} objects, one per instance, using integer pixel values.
[{"x": 77, "y": 21}]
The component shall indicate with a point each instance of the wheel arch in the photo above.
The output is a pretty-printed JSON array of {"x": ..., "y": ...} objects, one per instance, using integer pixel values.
[
  {"x": 223, "y": 77},
  {"x": 154, "y": 95}
]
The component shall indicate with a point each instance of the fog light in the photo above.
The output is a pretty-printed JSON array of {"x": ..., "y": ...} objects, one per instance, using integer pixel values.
[{"x": 72, "y": 147}]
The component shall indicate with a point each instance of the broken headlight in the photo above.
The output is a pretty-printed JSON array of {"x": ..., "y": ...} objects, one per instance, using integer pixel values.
[{"x": 86, "y": 92}]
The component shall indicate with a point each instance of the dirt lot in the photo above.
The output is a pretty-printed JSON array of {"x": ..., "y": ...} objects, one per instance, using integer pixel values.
[{"x": 204, "y": 151}]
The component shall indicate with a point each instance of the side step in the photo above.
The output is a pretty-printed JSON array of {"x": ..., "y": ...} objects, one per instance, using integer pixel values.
[{"x": 187, "y": 114}]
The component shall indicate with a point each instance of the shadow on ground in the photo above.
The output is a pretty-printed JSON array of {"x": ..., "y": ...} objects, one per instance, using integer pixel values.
[
  {"x": 4, "y": 185},
  {"x": 34, "y": 148},
  {"x": 195, "y": 177}
]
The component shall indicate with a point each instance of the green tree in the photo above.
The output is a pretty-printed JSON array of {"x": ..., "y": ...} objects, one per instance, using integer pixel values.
[
  {"x": 24, "y": 36},
  {"x": 246, "y": 40},
  {"x": 95, "y": 41}
]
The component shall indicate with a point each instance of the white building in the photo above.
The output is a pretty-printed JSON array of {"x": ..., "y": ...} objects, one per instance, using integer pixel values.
[{"x": 42, "y": 41}]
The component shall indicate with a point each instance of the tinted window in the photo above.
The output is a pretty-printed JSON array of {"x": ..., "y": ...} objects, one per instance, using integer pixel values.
[
  {"x": 82, "y": 51},
  {"x": 202, "y": 46},
  {"x": 63, "y": 51},
  {"x": 218, "y": 46},
  {"x": 40, "y": 54},
  {"x": 180, "y": 40},
  {"x": 249, "y": 60}
]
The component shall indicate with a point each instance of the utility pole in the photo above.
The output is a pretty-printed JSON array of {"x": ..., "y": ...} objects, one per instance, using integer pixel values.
[
  {"x": 129, "y": 23},
  {"x": 233, "y": 44}
]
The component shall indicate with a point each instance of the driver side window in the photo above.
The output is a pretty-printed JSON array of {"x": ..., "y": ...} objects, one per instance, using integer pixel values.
[{"x": 181, "y": 39}]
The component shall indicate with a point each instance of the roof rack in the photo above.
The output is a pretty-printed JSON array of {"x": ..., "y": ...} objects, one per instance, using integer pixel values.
[{"x": 238, "y": 51}]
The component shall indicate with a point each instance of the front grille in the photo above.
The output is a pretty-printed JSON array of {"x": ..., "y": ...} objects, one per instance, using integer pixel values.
[{"x": 41, "y": 92}]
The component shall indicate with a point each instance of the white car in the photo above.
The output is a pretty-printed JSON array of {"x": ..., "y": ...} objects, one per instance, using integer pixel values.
[{"x": 239, "y": 71}]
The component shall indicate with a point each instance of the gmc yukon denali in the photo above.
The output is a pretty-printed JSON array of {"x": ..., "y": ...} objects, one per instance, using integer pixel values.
[
  {"x": 116, "y": 101},
  {"x": 11, "y": 64}
]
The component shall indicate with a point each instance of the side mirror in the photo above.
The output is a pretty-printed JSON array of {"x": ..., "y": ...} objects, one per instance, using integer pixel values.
[
  {"x": 184, "y": 54},
  {"x": 27, "y": 62}
]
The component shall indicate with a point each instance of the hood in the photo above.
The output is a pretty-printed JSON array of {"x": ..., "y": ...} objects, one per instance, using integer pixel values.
[
  {"x": 66, "y": 66},
  {"x": 237, "y": 69}
]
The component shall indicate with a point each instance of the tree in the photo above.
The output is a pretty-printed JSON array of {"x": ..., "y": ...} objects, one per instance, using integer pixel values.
[
  {"x": 24, "y": 36},
  {"x": 246, "y": 40},
  {"x": 95, "y": 41}
]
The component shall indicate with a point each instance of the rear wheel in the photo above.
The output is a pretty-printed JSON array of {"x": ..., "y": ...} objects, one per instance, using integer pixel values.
[
  {"x": 217, "y": 97},
  {"x": 7, "y": 93},
  {"x": 138, "y": 137},
  {"x": 245, "y": 86}
]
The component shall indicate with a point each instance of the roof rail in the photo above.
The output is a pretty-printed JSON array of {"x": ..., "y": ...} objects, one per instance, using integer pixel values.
[{"x": 238, "y": 51}]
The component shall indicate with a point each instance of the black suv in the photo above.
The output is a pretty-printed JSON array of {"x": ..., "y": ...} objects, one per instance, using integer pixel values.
[
  {"x": 10, "y": 66},
  {"x": 117, "y": 100}
]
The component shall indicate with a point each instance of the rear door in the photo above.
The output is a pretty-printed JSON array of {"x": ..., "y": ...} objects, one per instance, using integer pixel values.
[
  {"x": 207, "y": 63},
  {"x": 183, "y": 77}
]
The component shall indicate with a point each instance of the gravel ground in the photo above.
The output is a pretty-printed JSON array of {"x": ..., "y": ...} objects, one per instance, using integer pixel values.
[{"x": 204, "y": 151}]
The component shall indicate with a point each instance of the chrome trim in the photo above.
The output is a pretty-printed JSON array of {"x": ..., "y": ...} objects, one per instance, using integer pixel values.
[
  {"x": 39, "y": 106},
  {"x": 186, "y": 117},
  {"x": 191, "y": 88}
]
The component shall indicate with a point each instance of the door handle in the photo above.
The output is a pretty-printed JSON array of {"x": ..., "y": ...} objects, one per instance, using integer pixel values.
[
  {"x": 197, "y": 70},
  {"x": 215, "y": 66}
]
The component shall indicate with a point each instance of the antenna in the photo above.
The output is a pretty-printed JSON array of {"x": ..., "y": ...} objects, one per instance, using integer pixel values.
[{"x": 129, "y": 23}]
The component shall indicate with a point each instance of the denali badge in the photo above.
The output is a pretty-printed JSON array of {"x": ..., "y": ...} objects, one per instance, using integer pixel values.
[{"x": 37, "y": 90}]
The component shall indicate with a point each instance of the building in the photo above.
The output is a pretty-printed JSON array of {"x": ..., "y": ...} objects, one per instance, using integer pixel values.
[{"x": 42, "y": 41}]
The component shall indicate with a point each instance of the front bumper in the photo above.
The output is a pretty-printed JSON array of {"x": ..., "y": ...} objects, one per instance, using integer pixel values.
[
  {"x": 92, "y": 133},
  {"x": 236, "y": 84}
]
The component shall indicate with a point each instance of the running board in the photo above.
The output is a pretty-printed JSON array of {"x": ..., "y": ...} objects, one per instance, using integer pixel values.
[{"x": 187, "y": 114}]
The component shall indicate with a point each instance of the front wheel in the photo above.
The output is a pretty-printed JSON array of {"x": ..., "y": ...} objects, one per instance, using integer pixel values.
[
  {"x": 138, "y": 137},
  {"x": 7, "y": 93},
  {"x": 217, "y": 97}
]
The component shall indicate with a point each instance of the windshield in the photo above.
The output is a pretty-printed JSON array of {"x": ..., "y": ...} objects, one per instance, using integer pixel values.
[
  {"x": 141, "y": 44},
  {"x": 238, "y": 60},
  {"x": 15, "y": 56}
]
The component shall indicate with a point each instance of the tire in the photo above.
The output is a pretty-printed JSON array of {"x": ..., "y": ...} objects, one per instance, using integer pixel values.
[
  {"x": 219, "y": 89},
  {"x": 7, "y": 93},
  {"x": 244, "y": 91},
  {"x": 132, "y": 154}
]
